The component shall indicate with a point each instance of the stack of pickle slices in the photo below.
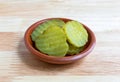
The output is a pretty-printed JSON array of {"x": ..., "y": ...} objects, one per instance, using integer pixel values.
[{"x": 56, "y": 38}]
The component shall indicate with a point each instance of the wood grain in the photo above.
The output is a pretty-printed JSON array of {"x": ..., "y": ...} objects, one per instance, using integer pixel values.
[
  {"x": 102, "y": 16},
  {"x": 8, "y": 41}
]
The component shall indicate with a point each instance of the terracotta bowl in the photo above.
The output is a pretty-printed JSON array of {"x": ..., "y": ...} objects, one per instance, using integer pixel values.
[{"x": 58, "y": 60}]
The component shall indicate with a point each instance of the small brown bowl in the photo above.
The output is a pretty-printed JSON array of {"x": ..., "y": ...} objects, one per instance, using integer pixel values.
[{"x": 58, "y": 60}]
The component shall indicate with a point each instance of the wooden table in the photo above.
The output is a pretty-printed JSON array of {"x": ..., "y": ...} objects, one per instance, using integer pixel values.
[{"x": 102, "y": 16}]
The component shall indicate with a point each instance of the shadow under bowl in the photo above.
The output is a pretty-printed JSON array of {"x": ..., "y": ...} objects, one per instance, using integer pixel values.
[{"x": 58, "y": 60}]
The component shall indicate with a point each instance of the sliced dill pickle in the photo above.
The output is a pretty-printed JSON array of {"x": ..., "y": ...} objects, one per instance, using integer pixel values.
[
  {"x": 76, "y": 33},
  {"x": 74, "y": 50},
  {"x": 41, "y": 28},
  {"x": 52, "y": 42}
]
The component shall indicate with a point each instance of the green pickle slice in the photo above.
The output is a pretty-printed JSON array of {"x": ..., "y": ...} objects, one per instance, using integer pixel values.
[
  {"x": 41, "y": 28},
  {"x": 76, "y": 33},
  {"x": 52, "y": 42},
  {"x": 74, "y": 50}
]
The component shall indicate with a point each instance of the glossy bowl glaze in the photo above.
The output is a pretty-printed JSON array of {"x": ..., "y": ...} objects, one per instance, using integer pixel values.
[{"x": 58, "y": 60}]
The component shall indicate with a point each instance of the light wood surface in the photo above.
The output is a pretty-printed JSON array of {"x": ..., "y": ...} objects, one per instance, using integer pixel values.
[{"x": 101, "y": 16}]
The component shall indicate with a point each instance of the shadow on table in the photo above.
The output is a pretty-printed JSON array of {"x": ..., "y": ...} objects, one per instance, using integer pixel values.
[{"x": 34, "y": 63}]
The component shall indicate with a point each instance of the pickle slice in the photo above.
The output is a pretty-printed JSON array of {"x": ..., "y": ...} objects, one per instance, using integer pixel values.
[
  {"x": 52, "y": 42},
  {"x": 76, "y": 33},
  {"x": 41, "y": 28},
  {"x": 74, "y": 50}
]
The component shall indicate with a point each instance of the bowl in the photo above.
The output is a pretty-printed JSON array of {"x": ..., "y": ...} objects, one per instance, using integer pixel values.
[{"x": 58, "y": 60}]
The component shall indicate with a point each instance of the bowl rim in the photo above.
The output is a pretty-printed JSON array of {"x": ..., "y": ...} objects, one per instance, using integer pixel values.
[{"x": 43, "y": 56}]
